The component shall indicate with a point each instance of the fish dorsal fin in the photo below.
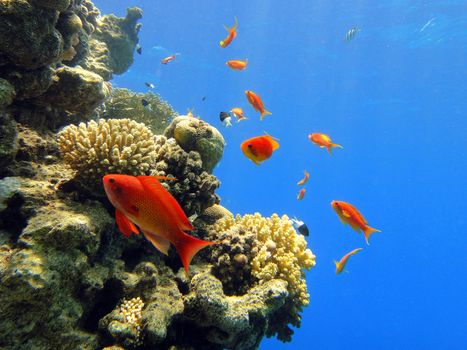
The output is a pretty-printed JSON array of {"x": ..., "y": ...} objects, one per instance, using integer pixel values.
[
  {"x": 124, "y": 224},
  {"x": 273, "y": 140},
  {"x": 152, "y": 185},
  {"x": 159, "y": 242}
]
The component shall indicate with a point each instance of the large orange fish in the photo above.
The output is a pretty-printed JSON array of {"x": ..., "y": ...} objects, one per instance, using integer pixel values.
[
  {"x": 323, "y": 141},
  {"x": 341, "y": 263},
  {"x": 232, "y": 34},
  {"x": 143, "y": 201},
  {"x": 256, "y": 103},
  {"x": 259, "y": 148},
  {"x": 348, "y": 214},
  {"x": 237, "y": 64},
  {"x": 238, "y": 112}
]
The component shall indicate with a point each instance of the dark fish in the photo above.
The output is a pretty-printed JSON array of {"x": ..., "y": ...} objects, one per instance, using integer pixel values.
[
  {"x": 223, "y": 116},
  {"x": 300, "y": 226},
  {"x": 149, "y": 85},
  {"x": 203, "y": 99},
  {"x": 139, "y": 49},
  {"x": 144, "y": 102}
]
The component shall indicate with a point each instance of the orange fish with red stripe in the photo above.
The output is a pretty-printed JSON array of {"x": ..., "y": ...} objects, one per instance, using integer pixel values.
[
  {"x": 301, "y": 194},
  {"x": 323, "y": 141},
  {"x": 169, "y": 58},
  {"x": 237, "y": 64},
  {"x": 305, "y": 178},
  {"x": 259, "y": 148},
  {"x": 348, "y": 214},
  {"x": 232, "y": 34},
  {"x": 256, "y": 103},
  {"x": 142, "y": 201}
]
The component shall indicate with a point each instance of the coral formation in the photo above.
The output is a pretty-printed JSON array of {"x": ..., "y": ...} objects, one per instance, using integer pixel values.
[
  {"x": 276, "y": 252},
  {"x": 124, "y": 103},
  {"x": 9, "y": 143},
  {"x": 194, "y": 134},
  {"x": 108, "y": 146},
  {"x": 194, "y": 188},
  {"x": 50, "y": 53}
]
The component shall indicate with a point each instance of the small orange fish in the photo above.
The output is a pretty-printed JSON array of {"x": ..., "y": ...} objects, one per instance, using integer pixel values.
[
  {"x": 348, "y": 214},
  {"x": 305, "y": 179},
  {"x": 143, "y": 201},
  {"x": 259, "y": 148},
  {"x": 237, "y": 64},
  {"x": 238, "y": 113},
  {"x": 169, "y": 58},
  {"x": 256, "y": 103},
  {"x": 232, "y": 34},
  {"x": 323, "y": 141},
  {"x": 301, "y": 194},
  {"x": 341, "y": 263}
]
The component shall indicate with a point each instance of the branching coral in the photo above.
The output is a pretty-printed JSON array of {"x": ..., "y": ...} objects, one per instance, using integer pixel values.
[
  {"x": 107, "y": 146},
  {"x": 194, "y": 188},
  {"x": 127, "y": 104},
  {"x": 278, "y": 253}
]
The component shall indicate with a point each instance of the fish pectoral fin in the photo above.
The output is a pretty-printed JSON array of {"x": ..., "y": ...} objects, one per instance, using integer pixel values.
[
  {"x": 159, "y": 242},
  {"x": 346, "y": 213},
  {"x": 124, "y": 224}
]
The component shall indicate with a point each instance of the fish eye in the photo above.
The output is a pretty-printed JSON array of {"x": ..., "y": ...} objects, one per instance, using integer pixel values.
[
  {"x": 250, "y": 145},
  {"x": 112, "y": 180}
]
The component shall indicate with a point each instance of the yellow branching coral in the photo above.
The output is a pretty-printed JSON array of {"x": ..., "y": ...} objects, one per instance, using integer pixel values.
[
  {"x": 278, "y": 253},
  {"x": 282, "y": 253},
  {"x": 107, "y": 146},
  {"x": 131, "y": 310}
]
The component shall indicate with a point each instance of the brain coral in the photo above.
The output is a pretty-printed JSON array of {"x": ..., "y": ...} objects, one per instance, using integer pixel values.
[
  {"x": 107, "y": 146},
  {"x": 194, "y": 188},
  {"x": 277, "y": 252}
]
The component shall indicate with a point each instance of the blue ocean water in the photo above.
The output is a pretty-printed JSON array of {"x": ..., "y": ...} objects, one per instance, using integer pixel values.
[{"x": 394, "y": 97}]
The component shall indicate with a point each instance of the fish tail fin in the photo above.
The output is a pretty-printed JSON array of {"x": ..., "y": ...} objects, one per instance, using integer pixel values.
[
  {"x": 187, "y": 247},
  {"x": 263, "y": 113},
  {"x": 336, "y": 145},
  {"x": 368, "y": 231}
]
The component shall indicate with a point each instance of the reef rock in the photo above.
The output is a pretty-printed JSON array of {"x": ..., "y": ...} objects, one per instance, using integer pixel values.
[
  {"x": 113, "y": 43},
  {"x": 230, "y": 322},
  {"x": 194, "y": 134},
  {"x": 7, "y": 93},
  {"x": 8, "y": 141}
]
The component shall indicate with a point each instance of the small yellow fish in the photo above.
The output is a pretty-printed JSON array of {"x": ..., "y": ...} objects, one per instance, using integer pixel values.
[{"x": 341, "y": 263}]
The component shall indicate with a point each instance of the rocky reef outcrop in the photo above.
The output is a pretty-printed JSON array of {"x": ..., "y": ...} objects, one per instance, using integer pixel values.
[{"x": 69, "y": 279}]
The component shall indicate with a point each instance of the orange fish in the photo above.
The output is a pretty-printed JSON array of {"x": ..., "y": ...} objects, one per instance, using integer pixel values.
[
  {"x": 323, "y": 140},
  {"x": 256, "y": 103},
  {"x": 259, "y": 148},
  {"x": 341, "y": 263},
  {"x": 232, "y": 34},
  {"x": 169, "y": 58},
  {"x": 301, "y": 194},
  {"x": 143, "y": 201},
  {"x": 237, "y": 64},
  {"x": 305, "y": 179},
  {"x": 348, "y": 214},
  {"x": 238, "y": 113}
]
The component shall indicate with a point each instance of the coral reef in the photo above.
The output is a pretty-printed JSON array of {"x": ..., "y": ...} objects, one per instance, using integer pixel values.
[
  {"x": 108, "y": 146},
  {"x": 275, "y": 251},
  {"x": 194, "y": 134},
  {"x": 68, "y": 277},
  {"x": 195, "y": 187},
  {"x": 124, "y": 103},
  {"x": 55, "y": 56}
]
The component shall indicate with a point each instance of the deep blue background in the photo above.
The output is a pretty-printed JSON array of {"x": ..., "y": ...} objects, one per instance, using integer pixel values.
[{"x": 395, "y": 97}]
